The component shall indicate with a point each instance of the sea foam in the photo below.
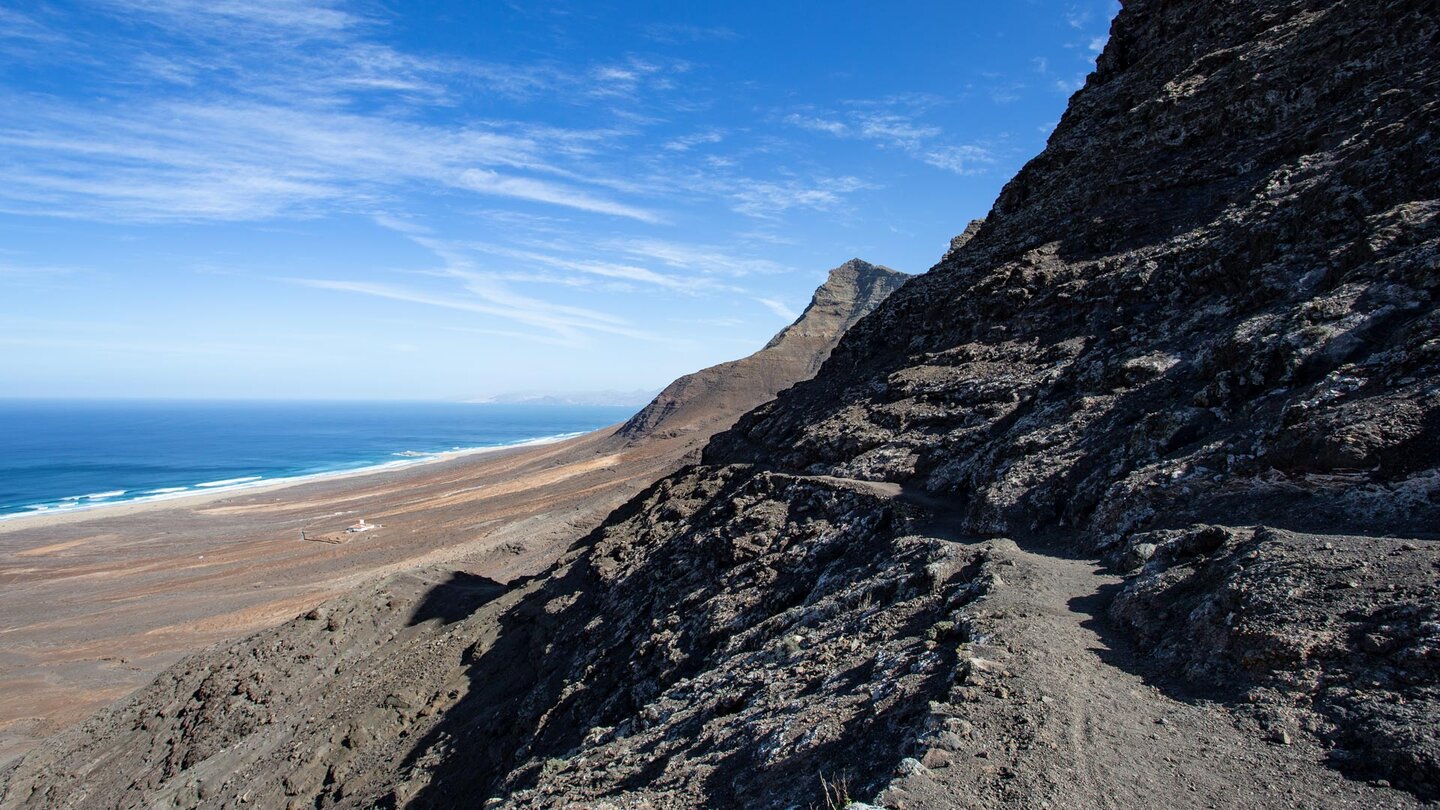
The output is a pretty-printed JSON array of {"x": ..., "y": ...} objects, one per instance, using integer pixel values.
[
  {"x": 96, "y": 496},
  {"x": 230, "y": 482}
]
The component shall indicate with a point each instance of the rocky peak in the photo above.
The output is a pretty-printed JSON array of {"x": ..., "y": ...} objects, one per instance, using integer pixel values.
[
  {"x": 963, "y": 238},
  {"x": 851, "y": 292},
  {"x": 712, "y": 399}
]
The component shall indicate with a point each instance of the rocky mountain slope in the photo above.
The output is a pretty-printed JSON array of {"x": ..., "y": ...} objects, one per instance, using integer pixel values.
[
  {"x": 504, "y": 515},
  {"x": 711, "y": 399},
  {"x": 1210, "y": 301},
  {"x": 1196, "y": 339}
]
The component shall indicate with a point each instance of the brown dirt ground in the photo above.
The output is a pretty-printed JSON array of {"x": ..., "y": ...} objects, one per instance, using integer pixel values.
[{"x": 94, "y": 604}]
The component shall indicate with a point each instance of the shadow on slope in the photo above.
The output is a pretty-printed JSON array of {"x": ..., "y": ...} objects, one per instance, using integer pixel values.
[
  {"x": 729, "y": 636},
  {"x": 456, "y": 598}
]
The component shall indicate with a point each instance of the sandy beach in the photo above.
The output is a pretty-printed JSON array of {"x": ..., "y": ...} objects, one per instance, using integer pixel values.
[
  {"x": 96, "y": 601},
  {"x": 194, "y": 497}
]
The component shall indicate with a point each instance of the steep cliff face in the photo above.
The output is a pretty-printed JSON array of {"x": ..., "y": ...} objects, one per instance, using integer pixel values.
[
  {"x": 1212, "y": 300},
  {"x": 1213, "y": 293},
  {"x": 1197, "y": 336},
  {"x": 711, "y": 399}
]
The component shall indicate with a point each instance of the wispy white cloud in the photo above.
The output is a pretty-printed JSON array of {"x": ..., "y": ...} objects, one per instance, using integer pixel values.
[
  {"x": 685, "y": 143},
  {"x": 779, "y": 308},
  {"x": 252, "y": 161},
  {"x": 895, "y": 129},
  {"x": 961, "y": 160},
  {"x": 629, "y": 262},
  {"x": 229, "y": 18},
  {"x": 511, "y": 334},
  {"x": 816, "y": 124},
  {"x": 16, "y": 25},
  {"x": 482, "y": 296},
  {"x": 278, "y": 131},
  {"x": 696, "y": 258},
  {"x": 685, "y": 32},
  {"x": 891, "y": 123},
  {"x": 487, "y": 290},
  {"x": 603, "y": 269},
  {"x": 544, "y": 313},
  {"x": 293, "y": 109},
  {"x": 625, "y": 79},
  {"x": 769, "y": 199},
  {"x": 528, "y": 188},
  {"x": 23, "y": 271},
  {"x": 400, "y": 224},
  {"x": 129, "y": 195}
]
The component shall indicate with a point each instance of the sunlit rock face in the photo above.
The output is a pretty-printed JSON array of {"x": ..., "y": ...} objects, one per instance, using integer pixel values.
[{"x": 712, "y": 399}]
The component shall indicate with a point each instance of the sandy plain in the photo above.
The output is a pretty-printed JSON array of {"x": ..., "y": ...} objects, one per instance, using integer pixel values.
[{"x": 93, "y": 604}]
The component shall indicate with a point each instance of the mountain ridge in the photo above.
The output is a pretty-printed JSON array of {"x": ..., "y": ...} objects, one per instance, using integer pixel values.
[
  {"x": 1195, "y": 339},
  {"x": 710, "y": 399}
]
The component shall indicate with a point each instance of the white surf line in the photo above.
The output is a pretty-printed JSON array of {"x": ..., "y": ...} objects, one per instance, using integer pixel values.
[
  {"x": 73, "y": 504},
  {"x": 229, "y": 482}
]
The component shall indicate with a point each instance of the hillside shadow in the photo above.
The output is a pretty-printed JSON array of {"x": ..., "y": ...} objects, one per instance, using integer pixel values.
[
  {"x": 481, "y": 736},
  {"x": 456, "y": 598},
  {"x": 574, "y": 658},
  {"x": 1121, "y": 651}
]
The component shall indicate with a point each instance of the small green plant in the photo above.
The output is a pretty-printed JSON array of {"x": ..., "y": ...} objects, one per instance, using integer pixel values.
[
  {"x": 791, "y": 646},
  {"x": 836, "y": 792}
]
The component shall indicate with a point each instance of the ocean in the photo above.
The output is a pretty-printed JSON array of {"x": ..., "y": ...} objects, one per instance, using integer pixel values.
[{"x": 65, "y": 455}]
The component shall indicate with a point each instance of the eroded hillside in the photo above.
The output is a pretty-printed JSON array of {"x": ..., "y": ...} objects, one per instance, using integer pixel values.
[{"x": 1196, "y": 338}]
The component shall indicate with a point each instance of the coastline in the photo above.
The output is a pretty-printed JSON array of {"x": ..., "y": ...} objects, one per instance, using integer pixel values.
[
  {"x": 200, "y": 494},
  {"x": 167, "y": 577}
]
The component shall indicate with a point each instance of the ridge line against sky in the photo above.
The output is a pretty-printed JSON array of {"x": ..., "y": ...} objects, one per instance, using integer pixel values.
[{"x": 301, "y": 198}]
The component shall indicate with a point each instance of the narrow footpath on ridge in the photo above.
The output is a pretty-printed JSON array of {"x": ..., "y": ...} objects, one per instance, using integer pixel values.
[{"x": 1056, "y": 709}]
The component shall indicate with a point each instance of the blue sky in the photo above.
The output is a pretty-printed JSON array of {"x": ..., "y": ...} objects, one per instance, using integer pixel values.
[{"x": 447, "y": 200}]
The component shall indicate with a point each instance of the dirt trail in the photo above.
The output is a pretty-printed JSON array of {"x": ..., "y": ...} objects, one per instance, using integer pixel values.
[
  {"x": 1057, "y": 713},
  {"x": 1058, "y": 710}
]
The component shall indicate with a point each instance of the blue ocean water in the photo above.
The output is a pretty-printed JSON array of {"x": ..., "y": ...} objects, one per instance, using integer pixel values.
[{"x": 61, "y": 455}]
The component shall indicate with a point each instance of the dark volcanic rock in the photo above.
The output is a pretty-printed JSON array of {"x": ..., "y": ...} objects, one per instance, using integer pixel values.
[
  {"x": 1346, "y": 629},
  {"x": 1218, "y": 279},
  {"x": 711, "y": 400},
  {"x": 1211, "y": 299}
]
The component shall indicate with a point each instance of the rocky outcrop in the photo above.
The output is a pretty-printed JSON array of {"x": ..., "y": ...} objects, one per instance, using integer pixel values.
[
  {"x": 1214, "y": 292},
  {"x": 1196, "y": 337},
  {"x": 712, "y": 399},
  {"x": 1212, "y": 299},
  {"x": 1331, "y": 635},
  {"x": 962, "y": 239}
]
